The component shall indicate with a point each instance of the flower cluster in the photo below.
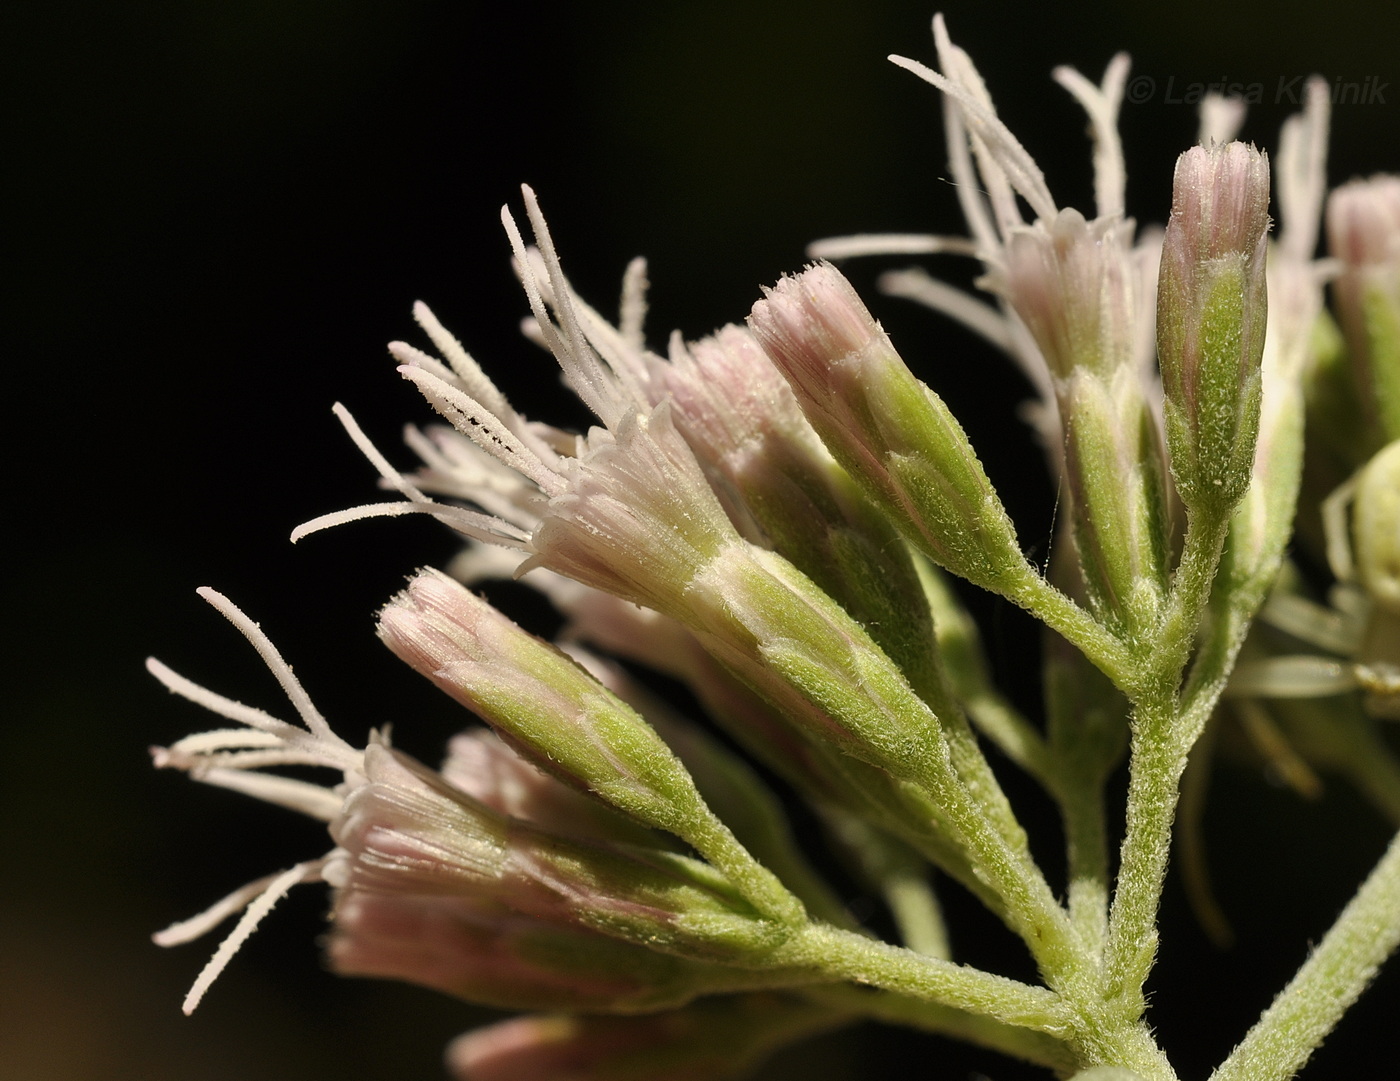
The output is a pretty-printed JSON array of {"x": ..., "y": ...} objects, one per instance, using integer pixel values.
[{"x": 770, "y": 515}]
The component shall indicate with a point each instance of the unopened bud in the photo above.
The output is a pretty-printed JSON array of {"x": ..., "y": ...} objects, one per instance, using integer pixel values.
[
  {"x": 485, "y": 767},
  {"x": 538, "y": 699},
  {"x": 730, "y": 786},
  {"x": 562, "y": 719},
  {"x": 893, "y": 435},
  {"x": 774, "y": 734},
  {"x": 774, "y": 475},
  {"x": 484, "y": 953},
  {"x": 1076, "y": 286},
  {"x": 1363, "y": 228},
  {"x": 1376, "y": 524},
  {"x": 779, "y": 633},
  {"x": 1118, "y": 495},
  {"x": 1211, "y": 314},
  {"x": 408, "y": 832},
  {"x": 638, "y": 519}
]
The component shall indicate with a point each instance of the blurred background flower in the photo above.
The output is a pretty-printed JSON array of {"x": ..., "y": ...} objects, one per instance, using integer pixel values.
[{"x": 217, "y": 212}]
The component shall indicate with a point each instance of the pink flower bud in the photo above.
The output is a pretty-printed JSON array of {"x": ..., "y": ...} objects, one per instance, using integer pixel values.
[
  {"x": 1363, "y": 222},
  {"x": 1211, "y": 315},
  {"x": 539, "y": 700},
  {"x": 484, "y": 766},
  {"x": 638, "y": 519},
  {"x": 1363, "y": 227},
  {"x": 892, "y": 434},
  {"x": 730, "y": 398},
  {"x": 408, "y": 833},
  {"x": 482, "y": 952},
  {"x": 787, "y": 493},
  {"x": 1073, "y": 284}
]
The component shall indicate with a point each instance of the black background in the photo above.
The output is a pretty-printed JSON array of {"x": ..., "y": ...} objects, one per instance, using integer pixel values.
[{"x": 216, "y": 213}]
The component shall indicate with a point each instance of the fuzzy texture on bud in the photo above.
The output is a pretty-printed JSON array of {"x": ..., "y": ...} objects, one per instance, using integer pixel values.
[
  {"x": 409, "y": 832},
  {"x": 486, "y": 954},
  {"x": 542, "y": 702},
  {"x": 1075, "y": 285},
  {"x": 639, "y": 520},
  {"x": 775, "y": 477},
  {"x": 1117, "y": 485},
  {"x": 893, "y": 435},
  {"x": 482, "y": 952},
  {"x": 563, "y": 720},
  {"x": 485, "y": 767},
  {"x": 468, "y": 945},
  {"x": 1211, "y": 313}
]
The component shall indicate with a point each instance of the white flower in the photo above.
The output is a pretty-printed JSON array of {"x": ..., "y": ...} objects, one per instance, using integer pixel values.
[
  {"x": 233, "y": 758},
  {"x": 992, "y": 172},
  {"x": 625, "y": 508}
]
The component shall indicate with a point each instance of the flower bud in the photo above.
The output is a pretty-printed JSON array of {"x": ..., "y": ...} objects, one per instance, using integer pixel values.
[
  {"x": 409, "y": 832},
  {"x": 1118, "y": 499},
  {"x": 773, "y": 629},
  {"x": 1073, "y": 283},
  {"x": 562, "y": 719},
  {"x": 893, "y": 435},
  {"x": 1076, "y": 286},
  {"x": 538, "y": 699},
  {"x": 1301, "y": 371},
  {"x": 1211, "y": 314},
  {"x": 484, "y": 953},
  {"x": 707, "y": 1041},
  {"x": 774, "y": 475},
  {"x": 775, "y": 734},
  {"x": 1363, "y": 227},
  {"x": 483, "y": 766},
  {"x": 730, "y": 786},
  {"x": 638, "y": 519}
]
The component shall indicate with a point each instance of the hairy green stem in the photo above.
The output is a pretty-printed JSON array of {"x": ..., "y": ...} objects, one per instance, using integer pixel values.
[
  {"x": 848, "y": 956},
  {"x": 970, "y": 764},
  {"x": 1200, "y": 559},
  {"x": 1096, "y": 1036},
  {"x": 1102, "y": 1038},
  {"x": 1160, "y": 745},
  {"x": 759, "y": 885},
  {"x": 1157, "y": 764},
  {"x": 895, "y": 1009},
  {"x": 1078, "y": 627},
  {"x": 1033, "y": 911},
  {"x": 1332, "y": 978}
]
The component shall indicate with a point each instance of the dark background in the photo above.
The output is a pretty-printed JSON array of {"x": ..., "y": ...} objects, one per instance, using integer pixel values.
[{"x": 216, "y": 213}]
